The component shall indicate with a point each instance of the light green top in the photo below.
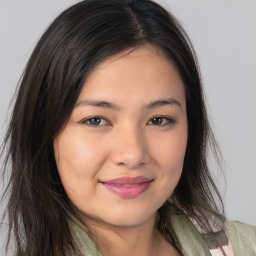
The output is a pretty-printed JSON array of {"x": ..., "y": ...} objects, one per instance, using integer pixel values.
[{"x": 186, "y": 237}]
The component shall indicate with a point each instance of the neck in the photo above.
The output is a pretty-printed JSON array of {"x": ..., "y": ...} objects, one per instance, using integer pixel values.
[{"x": 143, "y": 239}]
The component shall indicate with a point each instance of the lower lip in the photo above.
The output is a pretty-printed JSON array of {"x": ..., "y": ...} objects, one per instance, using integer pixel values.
[{"x": 128, "y": 191}]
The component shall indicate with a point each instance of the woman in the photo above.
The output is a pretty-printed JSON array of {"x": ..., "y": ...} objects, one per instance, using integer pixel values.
[{"x": 108, "y": 141}]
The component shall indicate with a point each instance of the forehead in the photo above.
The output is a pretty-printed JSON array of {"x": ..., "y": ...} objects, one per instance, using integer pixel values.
[{"x": 134, "y": 75}]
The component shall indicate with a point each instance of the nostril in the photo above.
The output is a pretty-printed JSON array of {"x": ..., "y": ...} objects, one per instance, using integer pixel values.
[{"x": 130, "y": 149}]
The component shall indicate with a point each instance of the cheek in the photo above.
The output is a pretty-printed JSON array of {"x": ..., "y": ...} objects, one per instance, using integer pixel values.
[
  {"x": 76, "y": 162},
  {"x": 170, "y": 150},
  {"x": 169, "y": 154}
]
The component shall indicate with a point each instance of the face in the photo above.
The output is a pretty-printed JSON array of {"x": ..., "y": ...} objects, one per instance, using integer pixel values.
[{"x": 121, "y": 153}]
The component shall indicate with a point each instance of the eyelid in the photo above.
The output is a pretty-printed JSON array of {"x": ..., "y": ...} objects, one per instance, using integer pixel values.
[
  {"x": 86, "y": 120},
  {"x": 170, "y": 120}
]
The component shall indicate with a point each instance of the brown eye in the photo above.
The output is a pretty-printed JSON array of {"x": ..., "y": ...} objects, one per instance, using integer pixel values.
[
  {"x": 95, "y": 121},
  {"x": 161, "y": 121},
  {"x": 157, "y": 120}
]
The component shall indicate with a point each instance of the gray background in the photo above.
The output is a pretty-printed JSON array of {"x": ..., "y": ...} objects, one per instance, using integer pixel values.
[{"x": 223, "y": 33}]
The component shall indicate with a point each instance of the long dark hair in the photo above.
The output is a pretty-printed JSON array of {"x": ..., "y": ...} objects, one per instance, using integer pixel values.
[{"x": 76, "y": 41}]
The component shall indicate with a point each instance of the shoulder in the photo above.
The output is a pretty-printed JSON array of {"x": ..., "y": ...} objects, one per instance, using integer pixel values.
[
  {"x": 186, "y": 236},
  {"x": 191, "y": 242},
  {"x": 239, "y": 229},
  {"x": 242, "y": 237}
]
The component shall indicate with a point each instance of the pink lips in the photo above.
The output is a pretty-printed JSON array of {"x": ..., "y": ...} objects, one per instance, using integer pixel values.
[{"x": 128, "y": 187}]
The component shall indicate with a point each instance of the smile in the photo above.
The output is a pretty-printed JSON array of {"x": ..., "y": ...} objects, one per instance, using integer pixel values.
[{"x": 128, "y": 187}]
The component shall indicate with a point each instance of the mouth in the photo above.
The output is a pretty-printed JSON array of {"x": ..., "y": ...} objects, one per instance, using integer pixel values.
[{"x": 128, "y": 187}]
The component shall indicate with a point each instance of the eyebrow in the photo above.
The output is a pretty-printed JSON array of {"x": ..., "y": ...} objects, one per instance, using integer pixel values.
[
  {"x": 98, "y": 103},
  {"x": 106, "y": 104},
  {"x": 163, "y": 102}
]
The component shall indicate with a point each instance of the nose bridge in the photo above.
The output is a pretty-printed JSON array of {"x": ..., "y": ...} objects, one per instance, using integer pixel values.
[{"x": 130, "y": 146}]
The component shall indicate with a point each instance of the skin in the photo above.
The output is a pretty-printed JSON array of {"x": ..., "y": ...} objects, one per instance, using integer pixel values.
[{"x": 125, "y": 142}]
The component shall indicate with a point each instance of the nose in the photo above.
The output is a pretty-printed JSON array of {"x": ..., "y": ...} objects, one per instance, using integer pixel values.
[{"x": 129, "y": 148}]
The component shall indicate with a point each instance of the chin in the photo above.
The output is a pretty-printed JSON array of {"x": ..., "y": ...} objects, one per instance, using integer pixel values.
[{"x": 129, "y": 218}]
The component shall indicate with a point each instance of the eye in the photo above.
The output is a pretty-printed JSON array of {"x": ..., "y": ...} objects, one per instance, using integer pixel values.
[
  {"x": 95, "y": 121},
  {"x": 161, "y": 120}
]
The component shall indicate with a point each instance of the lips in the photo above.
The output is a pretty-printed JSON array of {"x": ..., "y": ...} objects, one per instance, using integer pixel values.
[{"x": 128, "y": 187}]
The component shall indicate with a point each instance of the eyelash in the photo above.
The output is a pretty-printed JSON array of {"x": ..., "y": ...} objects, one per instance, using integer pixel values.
[
  {"x": 87, "y": 121},
  {"x": 165, "y": 121}
]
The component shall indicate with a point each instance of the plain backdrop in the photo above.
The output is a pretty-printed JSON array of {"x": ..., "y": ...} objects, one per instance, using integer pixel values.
[{"x": 224, "y": 35}]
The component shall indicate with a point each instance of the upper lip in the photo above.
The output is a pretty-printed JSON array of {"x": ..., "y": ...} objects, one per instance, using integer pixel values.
[{"x": 127, "y": 180}]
